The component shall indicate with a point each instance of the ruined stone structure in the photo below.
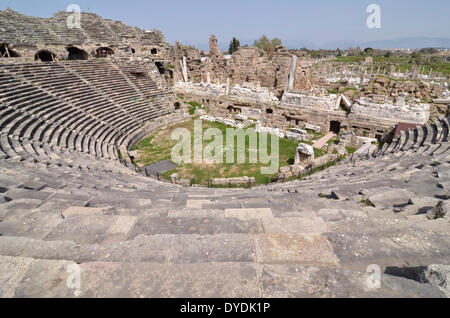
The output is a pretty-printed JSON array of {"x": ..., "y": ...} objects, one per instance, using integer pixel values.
[
  {"x": 71, "y": 200},
  {"x": 285, "y": 90},
  {"x": 329, "y": 113},
  {"x": 250, "y": 65},
  {"x": 52, "y": 39}
]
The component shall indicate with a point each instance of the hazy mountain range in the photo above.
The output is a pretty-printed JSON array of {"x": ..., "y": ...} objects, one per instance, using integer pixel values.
[{"x": 400, "y": 43}]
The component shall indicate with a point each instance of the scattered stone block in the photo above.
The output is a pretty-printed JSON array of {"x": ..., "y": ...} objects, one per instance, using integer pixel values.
[
  {"x": 301, "y": 225},
  {"x": 439, "y": 211},
  {"x": 196, "y": 204},
  {"x": 82, "y": 211},
  {"x": 394, "y": 198},
  {"x": 304, "y": 249},
  {"x": 249, "y": 214},
  {"x": 436, "y": 275}
]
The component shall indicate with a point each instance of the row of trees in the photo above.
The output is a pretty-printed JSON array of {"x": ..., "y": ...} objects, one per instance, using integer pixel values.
[
  {"x": 234, "y": 46},
  {"x": 263, "y": 43}
]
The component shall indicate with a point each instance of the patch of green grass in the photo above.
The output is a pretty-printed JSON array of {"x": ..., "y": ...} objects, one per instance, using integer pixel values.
[
  {"x": 120, "y": 154},
  {"x": 332, "y": 91},
  {"x": 366, "y": 202},
  {"x": 320, "y": 152},
  {"x": 350, "y": 150},
  {"x": 193, "y": 107},
  {"x": 158, "y": 146}
]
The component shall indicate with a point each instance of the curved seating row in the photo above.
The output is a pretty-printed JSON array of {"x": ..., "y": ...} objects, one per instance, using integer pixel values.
[{"x": 48, "y": 110}]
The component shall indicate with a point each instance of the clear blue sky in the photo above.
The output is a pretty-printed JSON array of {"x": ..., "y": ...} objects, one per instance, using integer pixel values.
[{"x": 319, "y": 21}]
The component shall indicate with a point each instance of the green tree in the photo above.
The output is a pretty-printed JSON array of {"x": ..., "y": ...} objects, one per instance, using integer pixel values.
[
  {"x": 234, "y": 46},
  {"x": 368, "y": 50},
  {"x": 416, "y": 58},
  {"x": 388, "y": 54},
  {"x": 264, "y": 43}
]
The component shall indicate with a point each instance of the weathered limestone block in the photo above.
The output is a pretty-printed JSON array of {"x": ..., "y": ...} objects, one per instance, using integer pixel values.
[
  {"x": 439, "y": 211},
  {"x": 304, "y": 154},
  {"x": 417, "y": 113},
  {"x": 436, "y": 275},
  {"x": 239, "y": 181}
]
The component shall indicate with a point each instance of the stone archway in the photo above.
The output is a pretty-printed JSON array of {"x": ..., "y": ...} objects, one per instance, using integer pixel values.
[
  {"x": 154, "y": 51},
  {"x": 77, "y": 54},
  {"x": 335, "y": 126},
  {"x": 161, "y": 68},
  {"x": 177, "y": 106},
  {"x": 45, "y": 56},
  {"x": 6, "y": 51},
  {"x": 103, "y": 52}
]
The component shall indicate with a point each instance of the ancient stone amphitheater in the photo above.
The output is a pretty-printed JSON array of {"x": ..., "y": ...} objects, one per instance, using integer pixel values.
[{"x": 68, "y": 198}]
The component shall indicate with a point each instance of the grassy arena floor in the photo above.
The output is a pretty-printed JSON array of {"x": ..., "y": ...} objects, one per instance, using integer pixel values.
[{"x": 158, "y": 146}]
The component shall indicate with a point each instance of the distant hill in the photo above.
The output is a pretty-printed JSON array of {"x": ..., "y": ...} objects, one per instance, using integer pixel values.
[{"x": 399, "y": 43}]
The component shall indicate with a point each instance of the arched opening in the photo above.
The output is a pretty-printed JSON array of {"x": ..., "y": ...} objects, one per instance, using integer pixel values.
[
  {"x": 154, "y": 51},
  {"x": 6, "y": 51},
  {"x": 230, "y": 109},
  {"x": 77, "y": 54},
  {"x": 177, "y": 106},
  {"x": 161, "y": 68},
  {"x": 103, "y": 52},
  {"x": 335, "y": 127},
  {"x": 133, "y": 51},
  {"x": 269, "y": 111},
  {"x": 45, "y": 56}
]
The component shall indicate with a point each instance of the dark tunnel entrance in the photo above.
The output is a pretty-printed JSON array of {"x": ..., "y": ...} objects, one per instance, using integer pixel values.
[
  {"x": 335, "y": 127},
  {"x": 103, "y": 52},
  {"x": 45, "y": 56},
  {"x": 77, "y": 54},
  {"x": 161, "y": 68},
  {"x": 6, "y": 51}
]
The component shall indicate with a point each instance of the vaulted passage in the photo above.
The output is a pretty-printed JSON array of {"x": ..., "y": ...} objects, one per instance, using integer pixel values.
[
  {"x": 6, "y": 51},
  {"x": 161, "y": 68},
  {"x": 77, "y": 54},
  {"x": 335, "y": 126},
  {"x": 103, "y": 52},
  {"x": 45, "y": 56}
]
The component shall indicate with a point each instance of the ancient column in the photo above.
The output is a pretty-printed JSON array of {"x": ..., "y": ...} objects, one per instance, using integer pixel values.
[
  {"x": 185, "y": 71},
  {"x": 292, "y": 72},
  {"x": 213, "y": 46},
  {"x": 227, "y": 87}
]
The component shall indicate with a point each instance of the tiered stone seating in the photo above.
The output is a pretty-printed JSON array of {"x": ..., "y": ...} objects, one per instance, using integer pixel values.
[
  {"x": 64, "y": 204},
  {"x": 276, "y": 241},
  {"x": 105, "y": 77},
  {"x": 79, "y": 115},
  {"x": 20, "y": 28},
  {"x": 25, "y": 29}
]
